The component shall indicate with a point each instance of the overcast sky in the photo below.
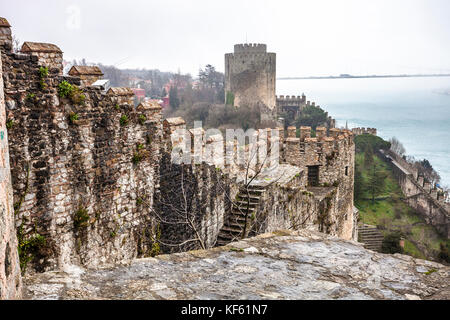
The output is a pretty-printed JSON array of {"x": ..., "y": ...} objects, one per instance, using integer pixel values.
[{"x": 317, "y": 37}]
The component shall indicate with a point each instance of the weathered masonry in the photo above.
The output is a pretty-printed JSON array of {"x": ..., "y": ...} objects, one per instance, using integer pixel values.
[
  {"x": 292, "y": 106},
  {"x": 419, "y": 193},
  {"x": 10, "y": 280},
  {"x": 250, "y": 76},
  {"x": 94, "y": 181},
  {"x": 84, "y": 163}
]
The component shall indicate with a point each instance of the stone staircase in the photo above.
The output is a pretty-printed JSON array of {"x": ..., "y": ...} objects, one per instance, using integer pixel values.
[
  {"x": 245, "y": 205},
  {"x": 370, "y": 236}
]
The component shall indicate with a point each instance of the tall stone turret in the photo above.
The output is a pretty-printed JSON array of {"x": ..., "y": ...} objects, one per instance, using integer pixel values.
[{"x": 250, "y": 76}]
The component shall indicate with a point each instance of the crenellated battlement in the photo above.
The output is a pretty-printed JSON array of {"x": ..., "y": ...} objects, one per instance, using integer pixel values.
[
  {"x": 359, "y": 131},
  {"x": 250, "y": 48},
  {"x": 329, "y": 147},
  {"x": 300, "y": 99}
]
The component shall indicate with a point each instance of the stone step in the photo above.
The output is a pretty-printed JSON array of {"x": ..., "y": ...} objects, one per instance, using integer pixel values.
[
  {"x": 228, "y": 237},
  {"x": 220, "y": 243},
  {"x": 373, "y": 242},
  {"x": 245, "y": 204},
  {"x": 242, "y": 212},
  {"x": 251, "y": 190},
  {"x": 244, "y": 197},
  {"x": 371, "y": 235},
  {"x": 236, "y": 223},
  {"x": 232, "y": 229}
]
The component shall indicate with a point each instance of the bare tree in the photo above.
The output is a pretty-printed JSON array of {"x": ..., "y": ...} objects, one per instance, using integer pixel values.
[
  {"x": 397, "y": 146},
  {"x": 177, "y": 210}
]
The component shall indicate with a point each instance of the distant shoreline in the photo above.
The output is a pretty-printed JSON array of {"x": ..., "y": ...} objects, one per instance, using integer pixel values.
[{"x": 366, "y": 77}]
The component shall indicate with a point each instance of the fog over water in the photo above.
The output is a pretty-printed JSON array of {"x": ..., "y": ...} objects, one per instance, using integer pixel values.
[{"x": 415, "y": 110}]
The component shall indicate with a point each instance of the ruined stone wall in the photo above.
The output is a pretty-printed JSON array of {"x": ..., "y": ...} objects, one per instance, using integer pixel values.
[
  {"x": 192, "y": 203},
  {"x": 95, "y": 184},
  {"x": 10, "y": 279},
  {"x": 360, "y": 131},
  {"x": 286, "y": 206},
  {"x": 331, "y": 207},
  {"x": 292, "y": 107},
  {"x": 83, "y": 174},
  {"x": 421, "y": 195},
  {"x": 194, "y": 198},
  {"x": 250, "y": 74},
  {"x": 334, "y": 156}
]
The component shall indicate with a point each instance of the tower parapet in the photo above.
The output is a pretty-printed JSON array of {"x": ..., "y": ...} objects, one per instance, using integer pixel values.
[
  {"x": 250, "y": 48},
  {"x": 359, "y": 131}
]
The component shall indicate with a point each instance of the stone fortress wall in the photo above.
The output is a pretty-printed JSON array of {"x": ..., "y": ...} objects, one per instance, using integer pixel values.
[
  {"x": 294, "y": 105},
  {"x": 93, "y": 176},
  {"x": 324, "y": 164},
  {"x": 76, "y": 179},
  {"x": 419, "y": 193},
  {"x": 360, "y": 131},
  {"x": 10, "y": 280}
]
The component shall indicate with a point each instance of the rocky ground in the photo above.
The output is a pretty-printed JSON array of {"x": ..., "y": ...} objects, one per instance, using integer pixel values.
[{"x": 280, "y": 265}]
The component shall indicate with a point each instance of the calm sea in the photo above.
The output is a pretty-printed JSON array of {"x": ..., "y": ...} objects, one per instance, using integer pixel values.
[{"x": 415, "y": 110}]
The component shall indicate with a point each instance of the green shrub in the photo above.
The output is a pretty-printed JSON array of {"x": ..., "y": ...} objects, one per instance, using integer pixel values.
[
  {"x": 65, "y": 89},
  {"x": 73, "y": 117},
  {"x": 124, "y": 120},
  {"x": 43, "y": 72},
  {"x": 364, "y": 141},
  {"x": 312, "y": 116},
  {"x": 30, "y": 97},
  {"x": 137, "y": 157},
  {"x": 75, "y": 94},
  {"x": 10, "y": 123},
  {"x": 28, "y": 246},
  {"x": 81, "y": 218},
  {"x": 142, "y": 119},
  {"x": 391, "y": 243},
  {"x": 156, "y": 249}
]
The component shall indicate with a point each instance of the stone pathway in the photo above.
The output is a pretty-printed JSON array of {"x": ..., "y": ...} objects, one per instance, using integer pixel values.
[{"x": 281, "y": 265}]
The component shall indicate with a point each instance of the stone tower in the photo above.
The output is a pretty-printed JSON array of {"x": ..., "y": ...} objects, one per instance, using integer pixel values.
[{"x": 250, "y": 76}]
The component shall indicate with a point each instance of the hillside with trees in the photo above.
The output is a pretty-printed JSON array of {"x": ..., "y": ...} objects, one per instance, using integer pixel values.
[{"x": 379, "y": 200}]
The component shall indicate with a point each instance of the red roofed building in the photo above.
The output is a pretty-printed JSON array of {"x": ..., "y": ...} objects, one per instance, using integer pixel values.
[{"x": 139, "y": 93}]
